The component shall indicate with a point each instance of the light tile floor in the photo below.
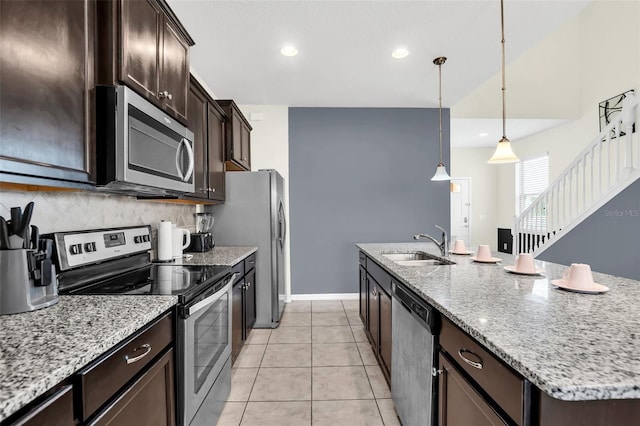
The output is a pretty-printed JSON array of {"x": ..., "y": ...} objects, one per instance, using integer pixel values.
[{"x": 317, "y": 368}]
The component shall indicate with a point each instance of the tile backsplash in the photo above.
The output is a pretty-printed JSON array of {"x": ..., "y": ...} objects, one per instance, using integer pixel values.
[{"x": 74, "y": 211}]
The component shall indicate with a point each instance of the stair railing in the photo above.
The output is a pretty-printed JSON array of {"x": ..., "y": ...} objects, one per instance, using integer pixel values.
[{"x": 605, "y": 167}]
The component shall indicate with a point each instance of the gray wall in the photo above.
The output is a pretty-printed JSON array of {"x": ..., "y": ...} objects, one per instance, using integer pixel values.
[
  {"x": 359, "y": 175},
  {"x": 608, "y": 240}
]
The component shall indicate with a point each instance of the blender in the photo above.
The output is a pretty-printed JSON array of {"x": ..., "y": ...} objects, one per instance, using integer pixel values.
[{"x": 202, "y": 239}]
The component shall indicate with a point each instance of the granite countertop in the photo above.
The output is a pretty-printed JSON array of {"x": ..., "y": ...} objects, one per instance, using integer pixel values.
[
  {"x": 40, "y": 349},
  {"x": 572, "y": 346},
  {"x": 228, "y": 256}
]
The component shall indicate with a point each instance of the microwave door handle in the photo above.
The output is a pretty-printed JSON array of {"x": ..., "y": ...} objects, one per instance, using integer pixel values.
[
  {"x": 178, "y": 165},
  {"x": 189, "y": 171}
]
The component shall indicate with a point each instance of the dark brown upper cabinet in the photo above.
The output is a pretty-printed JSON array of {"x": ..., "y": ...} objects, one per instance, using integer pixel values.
[
  {"x": 46, "y": 92},
  {"x": 143, "y": 45},
  {"x": 238, "y": 141},
  {"x": 207, "y": 122}
]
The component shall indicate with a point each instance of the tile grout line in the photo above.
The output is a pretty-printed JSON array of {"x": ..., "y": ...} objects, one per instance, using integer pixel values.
[{"x": 254, "y": 380}]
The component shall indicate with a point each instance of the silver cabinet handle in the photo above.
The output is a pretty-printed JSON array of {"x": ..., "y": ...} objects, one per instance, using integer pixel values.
[
  {"x": 248, "y": 284},
  {"x": 474, "y": 364},
  {"x": 163, "y": 95},
  {"x": 131, "y": 360},
  {"x": 169, "y": 95}
]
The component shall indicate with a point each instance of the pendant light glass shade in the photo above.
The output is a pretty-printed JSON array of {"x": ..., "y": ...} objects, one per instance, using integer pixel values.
[
  {"x": 441, "y": 171},
  {"x": 503, "y": 154}
]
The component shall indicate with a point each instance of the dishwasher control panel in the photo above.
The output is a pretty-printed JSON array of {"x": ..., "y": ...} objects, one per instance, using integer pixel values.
[{"x": 418, "y": 308}]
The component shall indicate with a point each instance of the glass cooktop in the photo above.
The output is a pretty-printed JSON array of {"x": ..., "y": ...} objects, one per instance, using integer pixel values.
[{"x": 157, "y": 279}]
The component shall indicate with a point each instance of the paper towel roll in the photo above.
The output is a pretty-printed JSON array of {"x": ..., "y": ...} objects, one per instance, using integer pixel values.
[{"x": 164, "y": 241}]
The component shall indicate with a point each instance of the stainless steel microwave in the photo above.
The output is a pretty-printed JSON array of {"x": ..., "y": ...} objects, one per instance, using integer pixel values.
[{"x": 140, "y": 149}]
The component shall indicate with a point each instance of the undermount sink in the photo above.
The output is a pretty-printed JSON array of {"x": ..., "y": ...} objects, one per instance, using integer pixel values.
[{"x": 416, "y": 258}]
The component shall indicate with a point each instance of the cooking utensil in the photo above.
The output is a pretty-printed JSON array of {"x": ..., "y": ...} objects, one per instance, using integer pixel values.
[
  {"x": 26, "y": 219},
  {"x": 35, "y": 237},
  {"x": 15, "y": 242},
  {"x": 16, "y": 221},
  {"x": 4, "y": 234}
]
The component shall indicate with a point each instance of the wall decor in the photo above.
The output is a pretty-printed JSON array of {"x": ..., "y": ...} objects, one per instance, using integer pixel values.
[{"x": 610, "y": 108}]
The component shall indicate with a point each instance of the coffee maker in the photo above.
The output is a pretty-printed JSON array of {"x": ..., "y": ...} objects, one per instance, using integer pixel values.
[{"x": 202, "y": 239}]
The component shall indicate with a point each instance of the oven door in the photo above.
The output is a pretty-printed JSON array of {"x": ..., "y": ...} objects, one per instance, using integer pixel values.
[{"x": 204, "y": 335}]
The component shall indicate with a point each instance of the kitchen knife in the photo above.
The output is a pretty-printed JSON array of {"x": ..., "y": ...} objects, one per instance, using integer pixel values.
[
  {"x": 26, "y": 218},
  {"x": 4, "y": 234},
  {"x": 35, "y": 238},
  {"x": 16, "y": 221}
]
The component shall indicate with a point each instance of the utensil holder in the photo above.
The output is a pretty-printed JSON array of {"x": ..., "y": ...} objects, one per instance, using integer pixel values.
[{"x": 18, "y": 291}]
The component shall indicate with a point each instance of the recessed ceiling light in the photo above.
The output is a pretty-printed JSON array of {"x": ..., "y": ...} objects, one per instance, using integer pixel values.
[
  {"x": 400, "y": 52},
  {"x": 482, "y": 135},
  {"x": 289, "y": 50}
]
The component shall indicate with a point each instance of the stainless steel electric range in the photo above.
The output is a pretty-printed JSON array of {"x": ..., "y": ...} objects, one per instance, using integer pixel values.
[{"x": 117, "y": 262}]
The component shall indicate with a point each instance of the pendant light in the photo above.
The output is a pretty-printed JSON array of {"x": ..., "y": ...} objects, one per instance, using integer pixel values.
[
  {"x": 504, "y": 154},
  {"x": 441, "y": 172}
]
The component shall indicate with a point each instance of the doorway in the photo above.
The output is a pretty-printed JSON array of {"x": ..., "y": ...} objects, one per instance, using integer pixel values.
[{"x": 461, "y": 210}]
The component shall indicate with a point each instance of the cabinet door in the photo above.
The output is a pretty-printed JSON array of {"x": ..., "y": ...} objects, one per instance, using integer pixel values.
[
  {"x": 141, "y": 24},
  {"x": 364, "y": 301},
  {"x": 385, "y": 332},
  {"x": 197, "y": 113},
  {"x": 46, "y": 86},
  {"x": 235, "y": 136},
  {"x": 374, "y": 314},
  {"x": 460, "y": 403},
  {"x": 174, "y": 80},
  {"x": 237, "y": 325},
  {"x": 216, "y": 131},
  {"x": 150, "y": 400},
  {"x": 245, "y": 143},
  {"x": 249, "y": 302}
]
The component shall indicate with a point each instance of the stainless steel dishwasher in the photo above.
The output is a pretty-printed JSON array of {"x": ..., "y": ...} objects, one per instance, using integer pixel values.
[{"x": 413, "y": 388}]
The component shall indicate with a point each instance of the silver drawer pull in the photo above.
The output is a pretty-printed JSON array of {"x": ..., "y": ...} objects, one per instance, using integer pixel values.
[
  {"x": 131, "y": 360},
  {"x": 474, "y": 364}
]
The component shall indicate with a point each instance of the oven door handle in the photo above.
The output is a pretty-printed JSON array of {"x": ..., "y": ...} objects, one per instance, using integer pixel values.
[{"x": 190, "y": 310}]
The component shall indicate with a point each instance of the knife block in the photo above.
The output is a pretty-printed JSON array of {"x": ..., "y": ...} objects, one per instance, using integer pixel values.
[{"x": 18, "y": 292}]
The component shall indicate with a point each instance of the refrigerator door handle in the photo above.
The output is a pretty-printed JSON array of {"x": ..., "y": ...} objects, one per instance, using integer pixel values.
[{"x": 283, "y": 224}]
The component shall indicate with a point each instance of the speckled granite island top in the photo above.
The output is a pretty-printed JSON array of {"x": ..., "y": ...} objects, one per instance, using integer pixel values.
[
  {"x": 572, "y": 346},
  {"x": 39, "y": 349},
  {"x": 228, "y": 256}
]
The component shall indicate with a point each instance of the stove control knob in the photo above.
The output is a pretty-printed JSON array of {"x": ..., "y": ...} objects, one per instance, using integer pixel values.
[
  {"x": 75, "y": 249},
  {"x": 90, "y": 247},
  {"x": 146, "y": 238},
  {"x": 137, "y": 239}
]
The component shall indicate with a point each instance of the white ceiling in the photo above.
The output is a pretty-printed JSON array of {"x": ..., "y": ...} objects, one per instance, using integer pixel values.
[{"x": 345, "y": 48}]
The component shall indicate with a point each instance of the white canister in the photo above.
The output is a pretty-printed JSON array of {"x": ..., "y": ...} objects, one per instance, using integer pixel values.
[
  {"x": 165, "y": 249},
  {"x": 181, "y": 240}
]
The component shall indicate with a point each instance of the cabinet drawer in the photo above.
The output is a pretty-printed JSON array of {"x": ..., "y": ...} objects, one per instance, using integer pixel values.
[
  {"x": 250, "y": 262},
  {"x": 238, "y": 268},
  {"x": 102, "y": 380},
  {"x": 57, "y": 410},
  {"x": 380, "y": 275},
  {"x": 492, "y": 375}
]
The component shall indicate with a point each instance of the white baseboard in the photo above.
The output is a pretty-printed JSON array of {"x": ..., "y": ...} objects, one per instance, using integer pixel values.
[{"x": 326, "y": 296}]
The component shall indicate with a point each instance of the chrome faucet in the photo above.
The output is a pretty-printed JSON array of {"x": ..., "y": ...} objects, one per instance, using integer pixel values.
[{"x": 442, "y": 245}]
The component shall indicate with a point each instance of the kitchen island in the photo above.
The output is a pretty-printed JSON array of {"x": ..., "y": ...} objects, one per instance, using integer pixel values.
[{"x": 570, "y": 346}]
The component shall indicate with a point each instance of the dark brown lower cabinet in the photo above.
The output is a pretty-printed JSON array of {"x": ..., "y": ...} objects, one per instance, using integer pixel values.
[
  {"x": 249, "y": 302},
  {"x": 236, "y": 319},
  {"x": 150, "y": 401},
  {"x": 363, "y": 297},
  {"x": 459, "y": 402},
  {"x": 56, "y": 410}
]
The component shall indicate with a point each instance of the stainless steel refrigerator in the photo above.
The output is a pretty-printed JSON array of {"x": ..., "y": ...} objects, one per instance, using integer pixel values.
[{"x": 253, "y": 214}]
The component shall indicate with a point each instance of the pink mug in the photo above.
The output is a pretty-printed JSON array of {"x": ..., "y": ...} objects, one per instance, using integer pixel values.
[
  {"x": 578, "y": 275},
  {"x": 524, "y": 263},
  {"x": 484, "y": 252},
  {"x": 459, "y": 247}
]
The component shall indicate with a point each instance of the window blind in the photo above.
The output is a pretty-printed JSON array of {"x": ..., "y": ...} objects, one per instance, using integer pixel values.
[{"x": 532, "y": 179}]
